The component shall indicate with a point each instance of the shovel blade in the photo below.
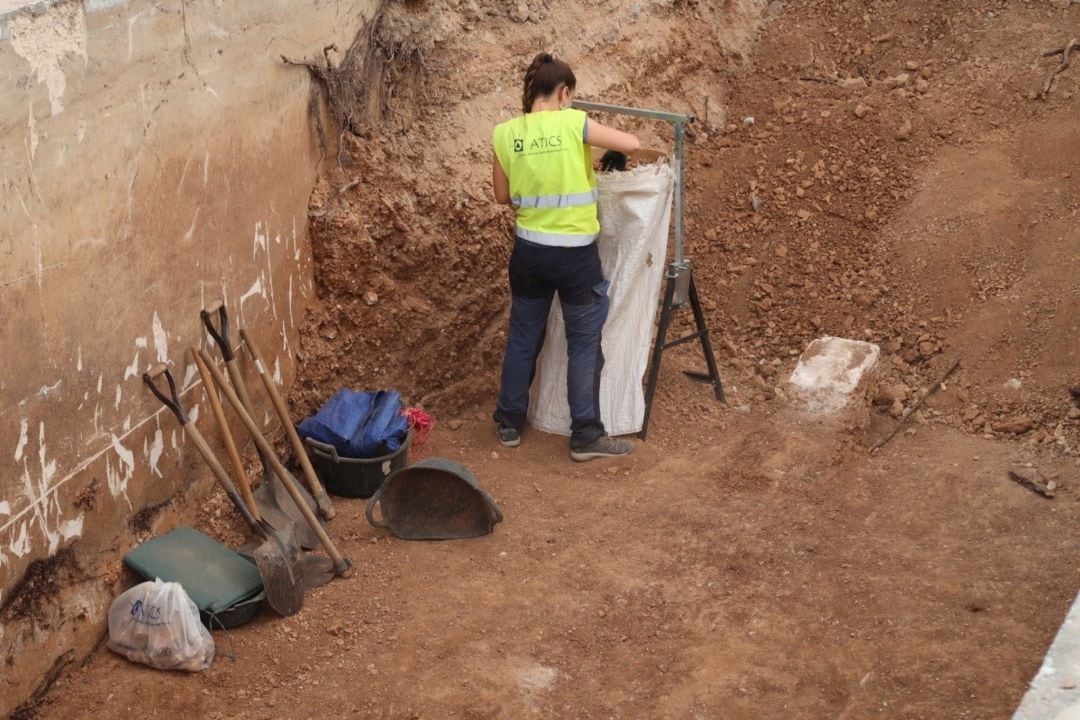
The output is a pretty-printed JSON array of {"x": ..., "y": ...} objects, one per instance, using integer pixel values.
[
  {"x": 278, "y": 508},
  {"x": 278, "y": 560},
  {"x": 316, "y": 570},
  {"x": 284, "y": 498}
]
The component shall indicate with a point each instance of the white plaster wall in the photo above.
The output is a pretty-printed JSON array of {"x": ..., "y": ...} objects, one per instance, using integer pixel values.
[{"x": 154, "y": 156}]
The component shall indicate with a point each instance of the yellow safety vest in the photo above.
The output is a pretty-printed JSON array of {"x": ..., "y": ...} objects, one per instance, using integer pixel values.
[{"x": 552, "y": 183}]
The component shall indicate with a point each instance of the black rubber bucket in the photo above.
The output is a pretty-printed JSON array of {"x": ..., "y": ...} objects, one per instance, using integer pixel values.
[
  {"x": 434, "y": 499},
  {"x": 354, "y": 477},
  {"x": 239, "y": 614}
]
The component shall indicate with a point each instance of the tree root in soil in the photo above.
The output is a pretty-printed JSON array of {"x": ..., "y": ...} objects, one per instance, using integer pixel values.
[
  {"x": 39, "y": 582},
  {"x": 1046, "y": 491},
  {"x": 911, "y": 410},
  {"x": 359, "y": 88},
  {"x": 1065, "y": 60},
  {"x": 28, "y": 710},
  {"x": 344, "y": 84}
]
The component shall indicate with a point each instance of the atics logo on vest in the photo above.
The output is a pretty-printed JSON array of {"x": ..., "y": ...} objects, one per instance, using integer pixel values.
[{"x": 543, "y": 143}]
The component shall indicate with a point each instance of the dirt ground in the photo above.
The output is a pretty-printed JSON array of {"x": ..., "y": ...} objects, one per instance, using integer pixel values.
[
  {"x": 748, "y": 561},
  {"x": 739, "y": 565}
]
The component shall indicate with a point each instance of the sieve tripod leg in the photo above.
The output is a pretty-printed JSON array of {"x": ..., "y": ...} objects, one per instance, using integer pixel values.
[
  {"x": 706, "y": 344},
  {"x": 658, "y": 351}
]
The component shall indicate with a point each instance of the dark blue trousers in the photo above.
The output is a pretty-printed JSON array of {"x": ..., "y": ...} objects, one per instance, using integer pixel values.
[{"x": 537, "y": 272}]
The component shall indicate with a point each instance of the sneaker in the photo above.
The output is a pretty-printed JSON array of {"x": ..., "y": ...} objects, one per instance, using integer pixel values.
[
  {"x": 602, "y": 447},
  {"x": 508, "y": 436}
]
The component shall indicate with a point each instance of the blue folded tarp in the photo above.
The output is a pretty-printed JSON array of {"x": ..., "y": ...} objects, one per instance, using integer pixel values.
[{"x": 359, "y": 424}]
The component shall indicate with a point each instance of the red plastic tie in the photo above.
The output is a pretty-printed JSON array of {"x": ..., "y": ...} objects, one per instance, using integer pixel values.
[{"x": 420, "y": 423}]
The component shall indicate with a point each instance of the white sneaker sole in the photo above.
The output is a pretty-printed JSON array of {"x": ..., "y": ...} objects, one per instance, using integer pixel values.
[{"x": 510, "y": 443}]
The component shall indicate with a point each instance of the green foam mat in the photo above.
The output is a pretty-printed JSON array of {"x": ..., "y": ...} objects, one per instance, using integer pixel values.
[{"x": 215, "y": 577}]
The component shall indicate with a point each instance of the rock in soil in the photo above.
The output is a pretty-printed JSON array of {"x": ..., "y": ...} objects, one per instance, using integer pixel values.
[
  {"x": 1014, "y": 426},
  {"x": 890, "y": 394}
]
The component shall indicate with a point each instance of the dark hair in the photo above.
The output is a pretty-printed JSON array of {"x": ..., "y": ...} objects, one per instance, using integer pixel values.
[{"x": 544, "y": 76}]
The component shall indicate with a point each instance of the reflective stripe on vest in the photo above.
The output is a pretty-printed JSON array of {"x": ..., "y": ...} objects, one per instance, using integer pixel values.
[
  {"x": 555, "y": 239},
  {"x": 556, "y": 201}
]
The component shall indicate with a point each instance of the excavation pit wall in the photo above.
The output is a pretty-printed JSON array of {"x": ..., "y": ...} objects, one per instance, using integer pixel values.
[{"x": 155, "y": 157}]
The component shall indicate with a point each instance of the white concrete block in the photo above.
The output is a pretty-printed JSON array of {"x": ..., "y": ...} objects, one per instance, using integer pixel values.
[
  {"x": 830, "y": 370},
  {"x": 1054, "y": 693}
]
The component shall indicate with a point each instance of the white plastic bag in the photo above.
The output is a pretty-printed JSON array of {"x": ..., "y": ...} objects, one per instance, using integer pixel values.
[
  {"x": 157, "y": 624},
  {"x": 635, "y": 214}
]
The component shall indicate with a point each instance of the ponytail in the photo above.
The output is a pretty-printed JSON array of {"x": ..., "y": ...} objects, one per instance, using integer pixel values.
[{"x": 545, "y": 75}]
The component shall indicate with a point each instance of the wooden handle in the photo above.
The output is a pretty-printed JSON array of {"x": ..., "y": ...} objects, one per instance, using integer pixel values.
[
  {"x": 159, "y": 369},
  {"x": 238, "y": 383},
  {"x": 230, "y": 442},
  {"x": 222, "y": 477},
  {"x": 341, "y": 565},
  {"x": 240, "y": 387},
  {"x": 325, "y": 506}
]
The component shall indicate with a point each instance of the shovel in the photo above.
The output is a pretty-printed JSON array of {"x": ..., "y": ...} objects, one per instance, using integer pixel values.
[
  {"x": 283, "y": 414},
  {"x": 278, "y": 557},
  {"x": 315, "y": 570},
  {"x": 273, "y": 502},
  {"x": 342, "y": 566}
]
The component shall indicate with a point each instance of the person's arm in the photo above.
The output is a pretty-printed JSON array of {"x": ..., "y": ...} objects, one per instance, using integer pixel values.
[
  {"x": 500, "y": 182},
  {"x": 607, "y": 138}
]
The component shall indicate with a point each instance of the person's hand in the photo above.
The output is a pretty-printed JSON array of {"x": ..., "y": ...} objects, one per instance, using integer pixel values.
[{"x": 613, "y": 160}]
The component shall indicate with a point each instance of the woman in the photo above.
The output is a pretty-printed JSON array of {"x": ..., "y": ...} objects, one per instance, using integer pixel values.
[{"x": 543, "y": 168}]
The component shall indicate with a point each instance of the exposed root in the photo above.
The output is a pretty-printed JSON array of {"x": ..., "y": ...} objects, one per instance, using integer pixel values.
[
  {"x": 1065, "y": 60},
  {"x": 360, "y": 88},
  {"x": 1038, "y": 489},
  {"x": 40, "y": 582},
  {"x": 29, "y": 709},
  {"x": 911, "y": 410},
  {"x": 143, "y": 521}
]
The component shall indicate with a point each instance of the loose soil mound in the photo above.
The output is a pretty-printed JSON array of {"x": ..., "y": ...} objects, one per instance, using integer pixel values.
[{"x": 910, "y": 193}]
